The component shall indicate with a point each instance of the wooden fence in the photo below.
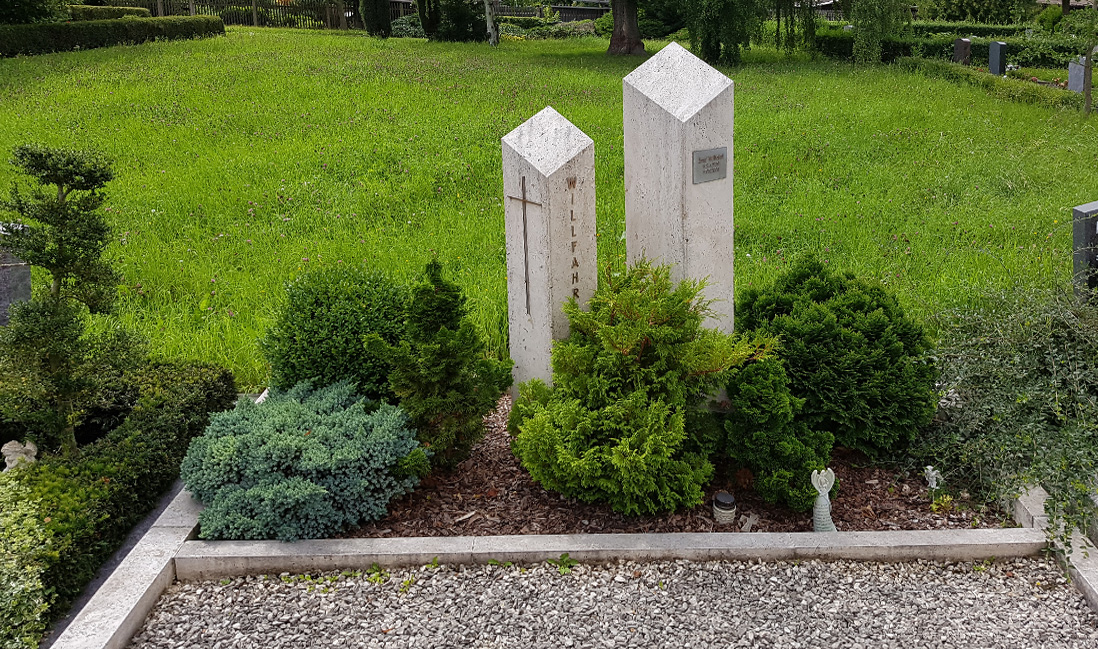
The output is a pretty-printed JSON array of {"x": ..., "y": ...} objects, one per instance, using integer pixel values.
[{"x": 316, "y": 14}]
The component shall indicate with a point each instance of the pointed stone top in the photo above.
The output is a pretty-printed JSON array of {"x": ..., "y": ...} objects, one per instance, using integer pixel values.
[
  {"x": 677, "y": 81},
  {"x": 547, "y": 140}
]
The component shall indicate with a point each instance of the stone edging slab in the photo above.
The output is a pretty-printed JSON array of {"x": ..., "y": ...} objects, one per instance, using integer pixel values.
[
  {"x": 205, "y": 560},
  {"x": 1082, "y": 564},
  {"x": 167, "y": 553}
]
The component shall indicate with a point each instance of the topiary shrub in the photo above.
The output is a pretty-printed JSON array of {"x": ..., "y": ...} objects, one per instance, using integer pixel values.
[
  {"x": 440, "y": 372},
  {"x": 243, "y": 16},
  {"x": 95, "y": 12},
  {"x": 764, "y": 435},
  {"x": 21, "y": 12},
  {"x": 858, "y": 361},
  {"x": 303, "y": 464},
  {"x": 89, "y": 34},
  {"x": 317, "y": 335},
  {"x": 604, "y": 25},
  {"x": 613, "y": 428}
]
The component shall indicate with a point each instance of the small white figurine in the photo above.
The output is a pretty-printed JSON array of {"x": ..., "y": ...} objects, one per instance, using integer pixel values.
[
  {"x": 821, "y": 511},
  {"x": 15, "y": 454},
  {"x": 932, "y": 476}
]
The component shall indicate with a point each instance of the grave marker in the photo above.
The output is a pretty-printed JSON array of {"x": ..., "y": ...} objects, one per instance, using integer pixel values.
[
  {"x": 962, "y": 51},
  {"x": 678, "y": 172},
  {"x": 1076, "y": 74},
  {"x": 549, "y": 212},
  {"x": 996, "y": 63},
  {"x": 15, "y": 281},
  {"x": 1084, "y": 226}
]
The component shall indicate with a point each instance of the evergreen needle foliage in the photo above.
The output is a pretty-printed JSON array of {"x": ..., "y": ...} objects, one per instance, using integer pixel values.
[
  {"x": 440, "y": 372},
  {"x": 50, "y": 369},
  {"x": 302, "y": 464},
  {"x": 764, "y": 434},
  {"x": 634, "y": 370},
  {"x": 860, "y": 364}
]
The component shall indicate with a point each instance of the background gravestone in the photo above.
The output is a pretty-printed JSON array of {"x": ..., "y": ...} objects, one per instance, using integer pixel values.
[
  {"x": 997, "y": 58},
  {"x": 962, "y": 51},
  {"x": 549, "y": 190},
  {"x": 15, "y": 281},
  {"x": 1076, "y": 72},
  {"x": 678, "y": 172},
  {"x": 1085, "y": 239}
]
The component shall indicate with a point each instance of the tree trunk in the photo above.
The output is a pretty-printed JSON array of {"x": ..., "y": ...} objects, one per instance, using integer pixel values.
[
  {"x": 626, "y": 38},
  {"x": 1088, "y": 67},
  {"x": 490, "y": 18},
  {"x": 1065, "y": 6}
]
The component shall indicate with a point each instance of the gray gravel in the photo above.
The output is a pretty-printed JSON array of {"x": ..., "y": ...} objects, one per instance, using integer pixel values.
[{"x": 1018, "y": 603}]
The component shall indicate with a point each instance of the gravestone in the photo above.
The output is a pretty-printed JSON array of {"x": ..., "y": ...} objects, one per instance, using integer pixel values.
[
  {"x": 549, "y": 212},
  {"x": 962, "y": 51},
  {"x": 678, "y": 172},
  {"x": 996, "y": 63},
  {"x": 1076, "y": 74},
  {"x": 15, "y": 281},
  {"x": 1084, "y": 227}
]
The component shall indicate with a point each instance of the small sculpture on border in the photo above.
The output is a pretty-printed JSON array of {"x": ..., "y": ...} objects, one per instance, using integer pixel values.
[
  {"x": 15, "y": 454},
  {"x": 821, "y": 511}
]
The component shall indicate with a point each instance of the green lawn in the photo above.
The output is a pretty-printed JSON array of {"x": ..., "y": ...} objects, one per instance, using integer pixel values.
[{"x": 244, "y": 160}]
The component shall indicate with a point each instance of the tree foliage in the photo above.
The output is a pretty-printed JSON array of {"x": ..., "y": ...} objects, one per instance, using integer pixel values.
[
  {"x": 874, "y": 20},
  {"x": 50, "y": 368},
  {"x": 20, "y": 12}
]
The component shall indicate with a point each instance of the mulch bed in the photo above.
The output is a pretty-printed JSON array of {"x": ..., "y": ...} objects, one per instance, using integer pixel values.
[{"x": 490, "y": 493}]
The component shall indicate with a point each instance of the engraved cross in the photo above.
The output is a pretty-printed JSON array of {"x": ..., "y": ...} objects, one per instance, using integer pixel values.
[{"x": 525, "y": 243}]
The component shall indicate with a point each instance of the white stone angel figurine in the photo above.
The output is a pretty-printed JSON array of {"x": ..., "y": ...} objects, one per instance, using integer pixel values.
[{"x": 821, "y": 511}]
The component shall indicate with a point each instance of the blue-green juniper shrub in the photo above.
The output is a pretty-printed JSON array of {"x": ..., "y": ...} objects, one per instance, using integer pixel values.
[
  {"x": 303, "y": 464},
  {"x": 613, "y": 428}
]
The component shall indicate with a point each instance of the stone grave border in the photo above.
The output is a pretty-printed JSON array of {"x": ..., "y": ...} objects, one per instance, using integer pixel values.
[{"x": 169, "y": 551}]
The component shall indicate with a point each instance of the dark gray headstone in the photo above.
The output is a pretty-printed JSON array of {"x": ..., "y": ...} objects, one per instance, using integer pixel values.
[
  {"x": 1084, "y": 227},
  {"x": 962, "y": 51},
  {"x": 996, "y": 60},
  {"x": 15, "y": 283},
  {"x": 1076, "y": 74}
]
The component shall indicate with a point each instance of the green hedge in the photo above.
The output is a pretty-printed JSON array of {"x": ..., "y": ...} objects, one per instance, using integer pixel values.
[
  {"x": 90, "y": 12},
  {"x": 1046, "y": 52},
  {"x": 89, "y": 505},
  {"x": 967, "y": 29},
  {"x": 1025, "y": 92},
  {"x": 64, "y": 37}
]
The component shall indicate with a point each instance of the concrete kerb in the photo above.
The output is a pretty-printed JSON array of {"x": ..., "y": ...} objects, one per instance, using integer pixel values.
[
  {"x": 1082, "y": 564},
  {"x": 169, "y": 552}
]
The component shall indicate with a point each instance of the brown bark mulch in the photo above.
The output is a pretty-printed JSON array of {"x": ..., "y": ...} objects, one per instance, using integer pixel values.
[{"x": 490, "y": 494}]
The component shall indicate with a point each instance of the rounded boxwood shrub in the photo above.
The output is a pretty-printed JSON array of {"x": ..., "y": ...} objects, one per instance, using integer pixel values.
[
  {"x": 860, "y": 364},
  {"x": 626, "y": 380},
  {"x": 318, "y": 334},
  {"x": 303, "y": 464},
  {"x": 764, "y": 435}
]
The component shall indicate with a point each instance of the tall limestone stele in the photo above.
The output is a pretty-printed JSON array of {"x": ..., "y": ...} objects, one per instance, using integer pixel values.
[
  {"x": 679, "y": 115},
  {"x": 549, "y": 196}
]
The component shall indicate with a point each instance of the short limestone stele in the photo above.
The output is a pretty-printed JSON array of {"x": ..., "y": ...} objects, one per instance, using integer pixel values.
[
  {"x": 549, "y": 212},
  {"x": 821, "y": 511}
]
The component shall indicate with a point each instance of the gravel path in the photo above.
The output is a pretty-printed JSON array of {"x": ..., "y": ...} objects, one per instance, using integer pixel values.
[{"x": 1018, "y": 603}]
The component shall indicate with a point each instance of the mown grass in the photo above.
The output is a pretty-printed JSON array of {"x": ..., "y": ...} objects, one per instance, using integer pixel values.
[{"x": 245, "y": 160}]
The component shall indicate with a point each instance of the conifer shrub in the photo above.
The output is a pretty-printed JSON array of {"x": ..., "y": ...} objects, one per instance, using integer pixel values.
[
  {"x": 303, "y": 464},
  {"x": 440, "y": 372},
  {"x": 317, "y": 335},
  {"x": 613, "y": 428},
  {"x": 860, "y": 364},
  {"x": 764, "y": 435}
]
